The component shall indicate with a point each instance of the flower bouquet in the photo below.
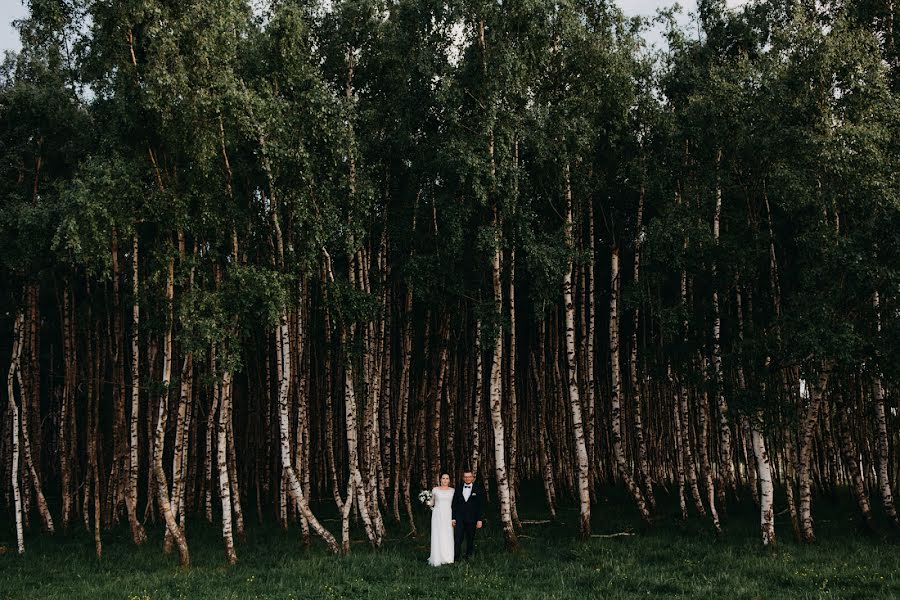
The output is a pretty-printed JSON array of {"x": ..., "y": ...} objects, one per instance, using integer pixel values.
[{"x": 425, "y": 497}]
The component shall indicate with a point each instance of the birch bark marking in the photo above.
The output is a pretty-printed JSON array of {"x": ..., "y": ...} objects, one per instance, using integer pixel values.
[
  {"x": 283, "y": 362},
  {"x": 181, "y": 454},
  {"x": 66, "y": 407},
  {"x": 589, "y": 384},
  {"x": 357, "y": 485},
  {"x": 683, "y": 412},
  {"x": 495, "y": 382},
  {"x": 807, "y": 428},
  {"x": 31, "y": 466},
  {"x": 33, "y": 333},
  {"x": 512, "y": 390},
  {"x": 677, "y": 434},
  {"x": 636, "y": 390},
  {"x": 496, "y": 396},
  {"x": 14, "y": 428},
  {"x": 479, "y": 400},
  {"x": 132, "y": 493},
  {"x": 221, "y": 395},
  {"x": 210, "y": 426},
  {"x": 852, "y": 460},
  {"x": 881, "y": 434},
  {"x": 545, "y": 463},
  {"x": 725, "y": 458},
  {"x": 766, "y": 488},
  {"x": 402, "y": 434},
  {"x": 756, "y": 423},
  {"x": 616, "y": 408},
  {"x": 705, "y": 468},
  {"x": 120, "y": 472},
  {"x": 162, "y": 486},
  {"x": 572, "y": 374}
]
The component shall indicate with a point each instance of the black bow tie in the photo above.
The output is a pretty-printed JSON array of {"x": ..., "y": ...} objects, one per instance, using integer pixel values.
[{"x": 468, "y": 485}]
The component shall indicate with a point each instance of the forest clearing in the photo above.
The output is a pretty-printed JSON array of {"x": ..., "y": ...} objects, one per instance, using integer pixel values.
[{"x": 270, "y": 269}]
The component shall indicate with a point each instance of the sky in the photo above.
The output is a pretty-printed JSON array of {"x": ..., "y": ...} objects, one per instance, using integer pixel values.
[
  {"x": 14, "y": 9},
  {"x": 9, "y": 11}
]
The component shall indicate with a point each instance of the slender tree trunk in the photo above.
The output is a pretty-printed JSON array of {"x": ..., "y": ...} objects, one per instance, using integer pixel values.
[
  {"x": 590, "y": 384},
  {"x": 512, "y": 390},
  {"x": 65, "y": 456},
  {"x": 92, "y": 419},
  {"x": 852, "y": 460},
  {"x": 435, "y": 438},
  {"x": 881, "y": 434},
  {"x": 180, "y": 455},
  {"x": 210, "y": 428},
  {"x": 726, "y": 462},
  {"x": 705, "y": 468},
  {"x": 636, "y": 389},
  {"x": 495, "y": 392},
  {"x": 679, "y": 449},
  {"x": 14, "y": 428},
  {"x": 283, "y": 361},
  {"x": 766, "y": 488},
  {"x": 30, "y": 465},
  {"x": 807, "y": 428},
  {"x": 479, "y": 402},
  {"x": 401, "y": 443},
  {"x": 544, "y": 461},
  {"x": 132, "y": 493},
  {"x": 162, "y": 486},
  {"x": 222, "y": 397},
  {"x": 121, "y": 471},
  {"x": 616, "y": 408},
  {"x": 35, "y": 428},
  {"x": 572, "y": 377}
]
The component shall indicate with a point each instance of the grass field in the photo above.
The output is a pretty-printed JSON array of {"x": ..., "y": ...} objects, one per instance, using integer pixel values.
[{"x": 673, "y": 559}]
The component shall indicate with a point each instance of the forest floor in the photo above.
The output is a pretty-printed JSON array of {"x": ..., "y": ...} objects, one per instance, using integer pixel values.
[{"x": 673, "y": 559}]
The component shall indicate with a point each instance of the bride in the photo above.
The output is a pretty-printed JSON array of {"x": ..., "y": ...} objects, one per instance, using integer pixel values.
[{"x": 441, "y": 526}]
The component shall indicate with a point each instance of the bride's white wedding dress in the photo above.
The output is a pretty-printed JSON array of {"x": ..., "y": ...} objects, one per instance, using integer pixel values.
[{"x": 441, "y": 528}]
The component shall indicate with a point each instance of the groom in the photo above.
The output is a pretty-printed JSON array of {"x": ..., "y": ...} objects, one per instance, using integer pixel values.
[{"x": 468, "y": 512}]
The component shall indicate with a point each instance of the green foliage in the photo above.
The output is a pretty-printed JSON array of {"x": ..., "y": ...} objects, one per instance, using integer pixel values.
[{"x": 208, "y": 122}]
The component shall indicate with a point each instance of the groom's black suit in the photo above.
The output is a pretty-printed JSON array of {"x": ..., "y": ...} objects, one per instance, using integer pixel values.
[{"x": 467, "y": 513}]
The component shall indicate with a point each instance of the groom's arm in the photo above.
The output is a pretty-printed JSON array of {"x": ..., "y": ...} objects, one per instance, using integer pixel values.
[
  {"x": 454, "y": 506},
  {"x": 480, "y": 511}
]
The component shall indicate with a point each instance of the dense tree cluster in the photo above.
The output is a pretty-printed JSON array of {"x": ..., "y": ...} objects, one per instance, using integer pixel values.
[{"x": 257, "y": 258}]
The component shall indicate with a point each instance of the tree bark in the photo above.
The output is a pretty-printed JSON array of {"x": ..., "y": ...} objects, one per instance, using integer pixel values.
[
  {"x": 572, "y": 376},
  {"x": 616, "y": 409},
  {"x": 162, "y": 486},
  {"x": 807, "y": 428},
  {"x": 495, "y": 392},
  {"x": 14, "y": 428},
  {"x": 881, "y": 434}
]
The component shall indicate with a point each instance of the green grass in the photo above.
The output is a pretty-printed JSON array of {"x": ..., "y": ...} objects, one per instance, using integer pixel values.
[{"x": 673, "y": 559}]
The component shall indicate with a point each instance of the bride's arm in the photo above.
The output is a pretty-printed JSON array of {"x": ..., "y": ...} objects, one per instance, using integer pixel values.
[{"x": 431, "y": 501}]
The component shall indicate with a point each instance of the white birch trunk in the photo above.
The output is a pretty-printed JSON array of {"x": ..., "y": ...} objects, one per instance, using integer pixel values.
[
  {"x": 495, "y": 384},
  {"x": 162, "y": 486},
  {"x": 616, "y": 407},
  {"x": 14, "y": 429},
  {"x": 572, "y": 377},
  {"x": 766, "y": 487}
]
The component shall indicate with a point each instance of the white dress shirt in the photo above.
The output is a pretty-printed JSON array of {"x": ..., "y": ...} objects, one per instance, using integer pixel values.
[{"x": 467, "y": 491}]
